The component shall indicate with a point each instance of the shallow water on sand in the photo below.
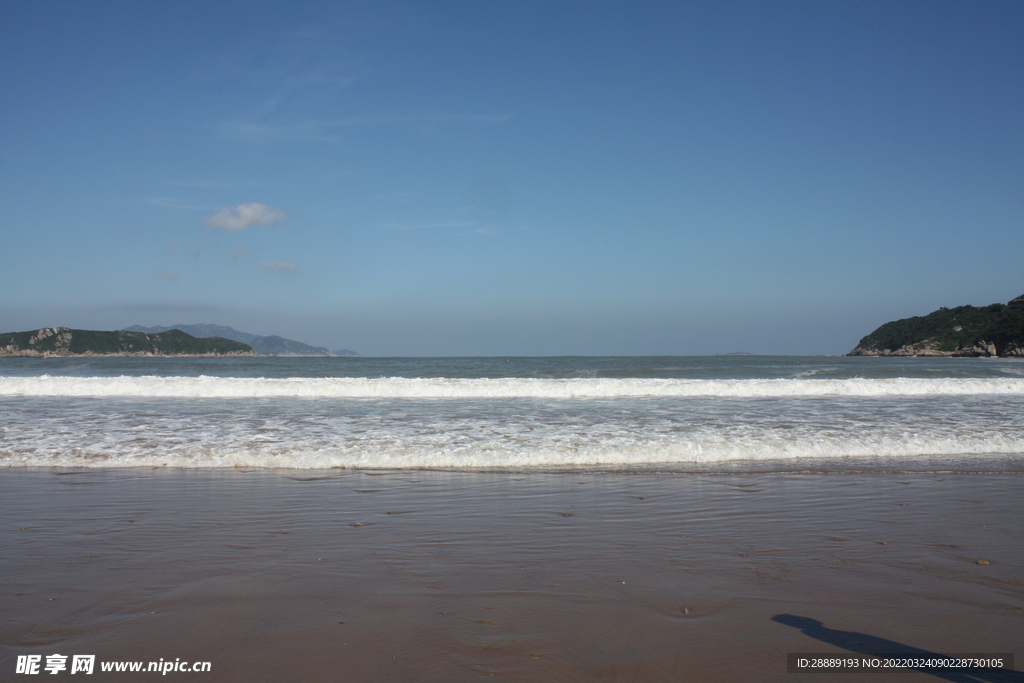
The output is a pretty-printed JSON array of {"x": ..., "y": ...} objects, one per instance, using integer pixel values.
[{"x": 288, "y": 575}]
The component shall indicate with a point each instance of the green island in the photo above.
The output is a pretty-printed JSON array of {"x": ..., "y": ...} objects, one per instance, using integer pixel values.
[
  {"x": 63, "y": 341},
  {"x": 964, "y": 331}
]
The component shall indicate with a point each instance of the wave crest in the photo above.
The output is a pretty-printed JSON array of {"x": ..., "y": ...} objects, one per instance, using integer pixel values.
[{"x": 440, "y": 388}]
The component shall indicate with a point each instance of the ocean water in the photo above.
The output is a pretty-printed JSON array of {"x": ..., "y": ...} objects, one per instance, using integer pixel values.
[{"x": 723, "y": 413}]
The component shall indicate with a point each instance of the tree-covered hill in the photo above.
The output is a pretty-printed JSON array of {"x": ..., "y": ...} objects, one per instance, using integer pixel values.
[
  {"x": 995, "y": 330},
  {"x": 62, "y": 341}
]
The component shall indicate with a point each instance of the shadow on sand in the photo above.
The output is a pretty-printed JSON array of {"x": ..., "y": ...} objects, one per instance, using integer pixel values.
[{"x": 864, "y": 644}]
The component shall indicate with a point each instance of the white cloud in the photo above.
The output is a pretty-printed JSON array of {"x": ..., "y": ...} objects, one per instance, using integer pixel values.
[
  {"x": 282, "y": 266},
  {"x": 168, "y": 274},
  {"x": 245, "y": 216}
]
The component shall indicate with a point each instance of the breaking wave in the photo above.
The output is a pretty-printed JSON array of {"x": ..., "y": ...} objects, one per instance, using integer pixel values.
[{"x": 440, "y": 388}]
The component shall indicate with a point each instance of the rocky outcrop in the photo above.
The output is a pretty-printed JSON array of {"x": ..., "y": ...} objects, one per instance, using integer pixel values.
[
  {"x": 1013, "y": 350},
  {"x": 65, "y": 342},
  {"x": 979, "y": 349},
  {"x": 904, "y": 351}
]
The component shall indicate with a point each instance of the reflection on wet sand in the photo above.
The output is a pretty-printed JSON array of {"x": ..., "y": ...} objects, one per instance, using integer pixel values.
[{"x": 452, "y": 576}]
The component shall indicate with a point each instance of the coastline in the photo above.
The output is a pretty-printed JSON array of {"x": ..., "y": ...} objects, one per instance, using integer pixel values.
[
  {"x": 986, "y": 350},
  {"x": 421, "y": 575},
  {"x": 134, "y": 354}
]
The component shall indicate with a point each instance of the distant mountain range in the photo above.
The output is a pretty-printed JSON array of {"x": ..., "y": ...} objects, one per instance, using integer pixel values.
[{"x": 262, "y": 346}]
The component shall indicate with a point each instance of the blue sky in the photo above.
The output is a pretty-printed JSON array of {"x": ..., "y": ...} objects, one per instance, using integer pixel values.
[{"x": 511, "y": 178}]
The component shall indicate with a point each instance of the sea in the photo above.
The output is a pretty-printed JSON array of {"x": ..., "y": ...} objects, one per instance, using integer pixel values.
[{"x": 575, "y": 413}]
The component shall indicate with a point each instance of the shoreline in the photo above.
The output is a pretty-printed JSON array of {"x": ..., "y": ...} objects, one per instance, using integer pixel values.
[
  {"x": 997, "y": 463},
  {"x": 28, "y": 353}
]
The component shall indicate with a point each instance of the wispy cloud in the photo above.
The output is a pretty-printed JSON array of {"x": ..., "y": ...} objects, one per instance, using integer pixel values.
[
  {"x": 173, "y": 203},
  {"x": 281, "y": 266},
  {"x": 244, "y": 216},
  {"x": 396, "y": 197},
  {"x": 382, "y": 119},
  {"x": 307, "y": 65},
  {"x": 193, "y": 250},
  {"x": 329, "y": 130},
  {"x": 251, "y": 131},
  {"x": 427, "y": 226},
  {"x": 207, "y": 185},
  {"x": 168, "y": 275},
  {"x": 464, "y": 227}
]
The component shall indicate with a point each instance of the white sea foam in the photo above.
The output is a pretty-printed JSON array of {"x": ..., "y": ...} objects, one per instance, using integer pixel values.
[
  {"x": 473, "y": 433},
  {"x": 438, "y": 422},
  {"x": 398, "y": 387},
  {"x": 494, "y": 454}
]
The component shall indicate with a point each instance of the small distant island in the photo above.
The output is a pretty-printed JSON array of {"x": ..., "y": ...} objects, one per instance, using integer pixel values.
[
  {"x": 64, "y": 342},
  {"x": 964, "y": 331}
]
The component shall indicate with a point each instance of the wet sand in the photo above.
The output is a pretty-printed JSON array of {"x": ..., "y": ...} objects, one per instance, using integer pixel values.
[{"x": 276, "y": 576}]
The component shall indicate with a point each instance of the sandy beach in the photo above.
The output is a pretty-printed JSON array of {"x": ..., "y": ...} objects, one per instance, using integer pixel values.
[
  {"x": 287, "y": 575},
  {"x": 542, "y": 342}
]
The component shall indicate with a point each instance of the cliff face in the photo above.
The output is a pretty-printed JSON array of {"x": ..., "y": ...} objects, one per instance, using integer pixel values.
[
  {"x": 964, "y": 331},
  {"x": 62, "y": 341}
]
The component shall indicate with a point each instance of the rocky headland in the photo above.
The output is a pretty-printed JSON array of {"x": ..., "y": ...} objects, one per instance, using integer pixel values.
[
  {"x": 964, "y": 331},
  {"x": 65, "y": 342}
]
